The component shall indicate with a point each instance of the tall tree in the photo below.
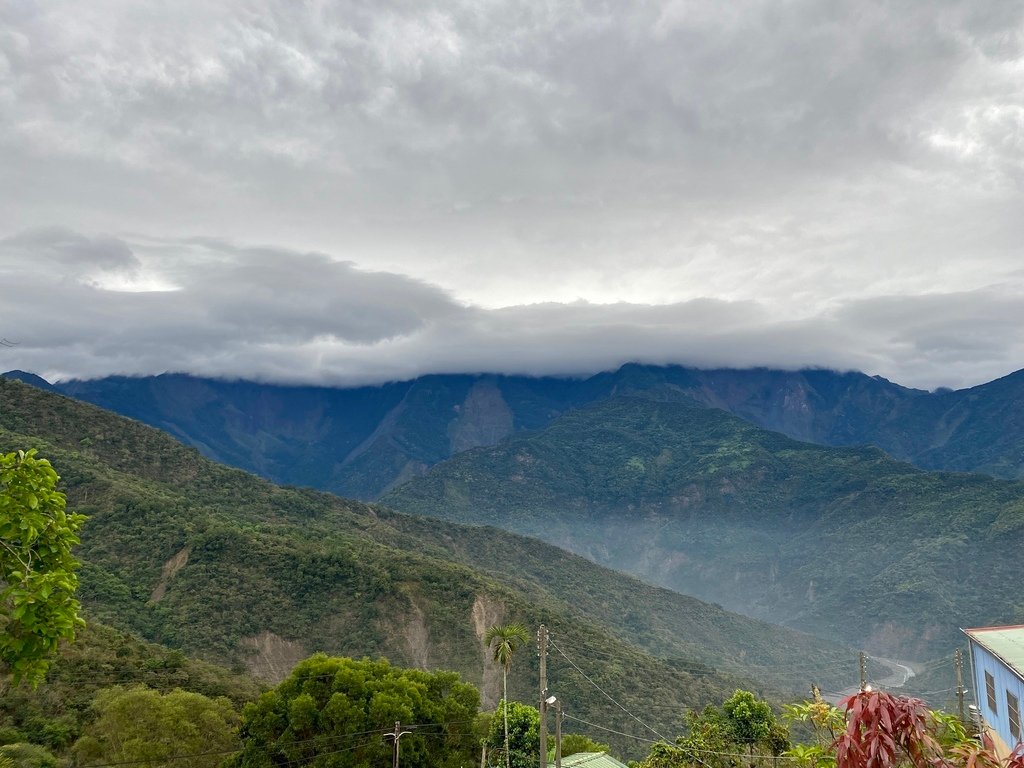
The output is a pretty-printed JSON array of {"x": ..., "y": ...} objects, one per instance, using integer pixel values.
[
  {"x": 140, "y": 725},
  {"x": 752, "y": 721},
  {"x": 334, "y": 711},
  {"x": 503, "y": 640},
  {"x": 37, "y": 571}
]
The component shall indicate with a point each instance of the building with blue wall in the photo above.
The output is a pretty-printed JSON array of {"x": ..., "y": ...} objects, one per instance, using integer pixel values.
[{"x": 997, "y": 662}]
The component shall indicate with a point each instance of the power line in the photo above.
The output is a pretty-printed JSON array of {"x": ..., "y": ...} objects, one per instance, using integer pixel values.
[
  {"x": 163, "y": 759},
  {"x": 567, "y": 716},
  {"x": 302, "y": 760},
  {"x": 604, "y": 692}
]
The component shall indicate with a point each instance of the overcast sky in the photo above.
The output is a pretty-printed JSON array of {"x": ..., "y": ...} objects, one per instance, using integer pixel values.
[{"x": 351, "y": 192}]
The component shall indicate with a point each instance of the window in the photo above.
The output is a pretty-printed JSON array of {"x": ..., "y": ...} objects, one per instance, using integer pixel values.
[
  {"x": 1013, "y": 707},
  {"x": 990, "y": 691}
]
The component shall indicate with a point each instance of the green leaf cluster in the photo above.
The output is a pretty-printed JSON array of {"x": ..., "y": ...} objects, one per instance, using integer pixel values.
[
  {"x": 744, "y": 725},
  {"x": 335, "y": 712},
  {"x": 523, "y": 735},
  {"x": 38, "y": 608},
  {"x": 140, "y": 725}
]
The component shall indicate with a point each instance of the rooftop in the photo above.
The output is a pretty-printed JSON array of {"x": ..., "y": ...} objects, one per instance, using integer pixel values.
[
  {"x": 590, "y": 760},
  {"x": 1007, "y": 643}
]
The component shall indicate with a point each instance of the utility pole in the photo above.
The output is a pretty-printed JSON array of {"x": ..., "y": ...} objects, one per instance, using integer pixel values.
[
  {"x": 542, "y": 648},
  {"x": 397, "y": 735},
  {"x": 958, "y": 662},
  {"x": 558, "y": 734},
  {"x": 863, "y": 672}
]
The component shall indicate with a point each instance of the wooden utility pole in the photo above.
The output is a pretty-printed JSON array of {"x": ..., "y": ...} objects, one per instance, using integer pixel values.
[
  {"x": 958, "y": 662},
  {"x": 863, "y": 672},
  {"x": 397, "y": 735},
  {"x": 542, "y": 648},
  {"x": 558, "y": 734}
]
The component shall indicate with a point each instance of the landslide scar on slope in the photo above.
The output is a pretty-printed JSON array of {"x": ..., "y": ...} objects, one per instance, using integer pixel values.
[
  {"x": 408, "y": 632},
  {"x": 272, "y": 658},
  {"x": 484, "y": 419},
  {"x": 486, "y": 613},
  {"x": 417, "y": 638},
  {"x": 171, "y": 567}
]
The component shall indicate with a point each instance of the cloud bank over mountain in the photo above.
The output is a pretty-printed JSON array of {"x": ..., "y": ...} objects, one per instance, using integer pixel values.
[
  {"x": 86, "y": 307},
  {"x": 804, "y": 182}
]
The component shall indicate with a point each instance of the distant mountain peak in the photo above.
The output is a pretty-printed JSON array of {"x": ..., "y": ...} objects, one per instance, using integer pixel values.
[{"x": 29, "y": 378}]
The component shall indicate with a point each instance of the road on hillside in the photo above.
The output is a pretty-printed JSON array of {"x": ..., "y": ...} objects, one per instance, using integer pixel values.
[{"x": 896, "y": 677}]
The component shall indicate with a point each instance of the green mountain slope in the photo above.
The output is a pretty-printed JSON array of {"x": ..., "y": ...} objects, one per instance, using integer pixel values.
[
  {"x": 846, "y": 543},
  {"x": 235, "y": 570}
]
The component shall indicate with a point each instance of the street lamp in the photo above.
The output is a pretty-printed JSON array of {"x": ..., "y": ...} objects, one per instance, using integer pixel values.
[{"x": 552, "y": 701}]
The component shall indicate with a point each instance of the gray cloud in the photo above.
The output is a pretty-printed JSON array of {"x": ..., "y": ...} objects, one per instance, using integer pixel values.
[
  {"x": 212, "y": 308},
  {"x": 814, "y": 164}
]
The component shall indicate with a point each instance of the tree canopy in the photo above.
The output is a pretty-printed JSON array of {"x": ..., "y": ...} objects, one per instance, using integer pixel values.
[
  {"x": 718, "y": 736},
  {"x": 37, "y": 570},
  {"x": 139, "y": 724},
  {"x": 573, "y": 743},
  {"x": 335, "y": 712},
  {"x": 523, "y": 734}
]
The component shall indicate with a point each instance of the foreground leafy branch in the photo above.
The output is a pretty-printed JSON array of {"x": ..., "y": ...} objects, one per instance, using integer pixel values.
[{"x": 37, "y": 570}]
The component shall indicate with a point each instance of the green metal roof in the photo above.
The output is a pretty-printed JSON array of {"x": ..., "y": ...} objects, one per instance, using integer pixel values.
[
  {"x": 590, "y": 760},
  {"x": 1007, "y": 643}
]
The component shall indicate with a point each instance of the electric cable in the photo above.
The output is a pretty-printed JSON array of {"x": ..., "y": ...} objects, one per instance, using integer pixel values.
[{"x": 604, "y": 692}]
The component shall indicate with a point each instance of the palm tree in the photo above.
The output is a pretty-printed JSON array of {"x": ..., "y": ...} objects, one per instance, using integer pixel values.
[{"x": 508, "y": 637}]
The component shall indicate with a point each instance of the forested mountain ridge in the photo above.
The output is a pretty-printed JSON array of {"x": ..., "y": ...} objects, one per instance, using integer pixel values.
[
  {"x": 845, "y": 542},
  {"x": 360, "y": 442},
  {"x": 232, "y": 569}
]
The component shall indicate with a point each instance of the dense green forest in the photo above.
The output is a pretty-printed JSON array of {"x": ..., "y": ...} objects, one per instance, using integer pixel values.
[
  {"x": 234, "y": 570},
  {"x": 845, "y": 542}
]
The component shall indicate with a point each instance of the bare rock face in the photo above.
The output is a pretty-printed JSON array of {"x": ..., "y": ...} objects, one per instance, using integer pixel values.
[
  {"x": 416, "y": 637},
  {"x": 484, "y": 418},
  {"x": 272, "y": 657},
  {"x": 171, "y": 567},
  {"x": 486, "y": 613}
]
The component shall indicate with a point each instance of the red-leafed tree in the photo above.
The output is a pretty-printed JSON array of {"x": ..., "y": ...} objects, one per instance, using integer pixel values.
[{"x": 885, "y": 731}]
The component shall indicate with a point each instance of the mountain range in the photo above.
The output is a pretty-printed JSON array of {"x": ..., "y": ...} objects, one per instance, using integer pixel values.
[
  {"x": 361, "y": 442},
  {"x": 232, "y": 569}
]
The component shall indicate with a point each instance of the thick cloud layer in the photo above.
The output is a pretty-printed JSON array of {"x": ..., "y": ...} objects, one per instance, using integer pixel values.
[
  {"x": 83, "y": 307},
  {"x": 690, "y": 180}
]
